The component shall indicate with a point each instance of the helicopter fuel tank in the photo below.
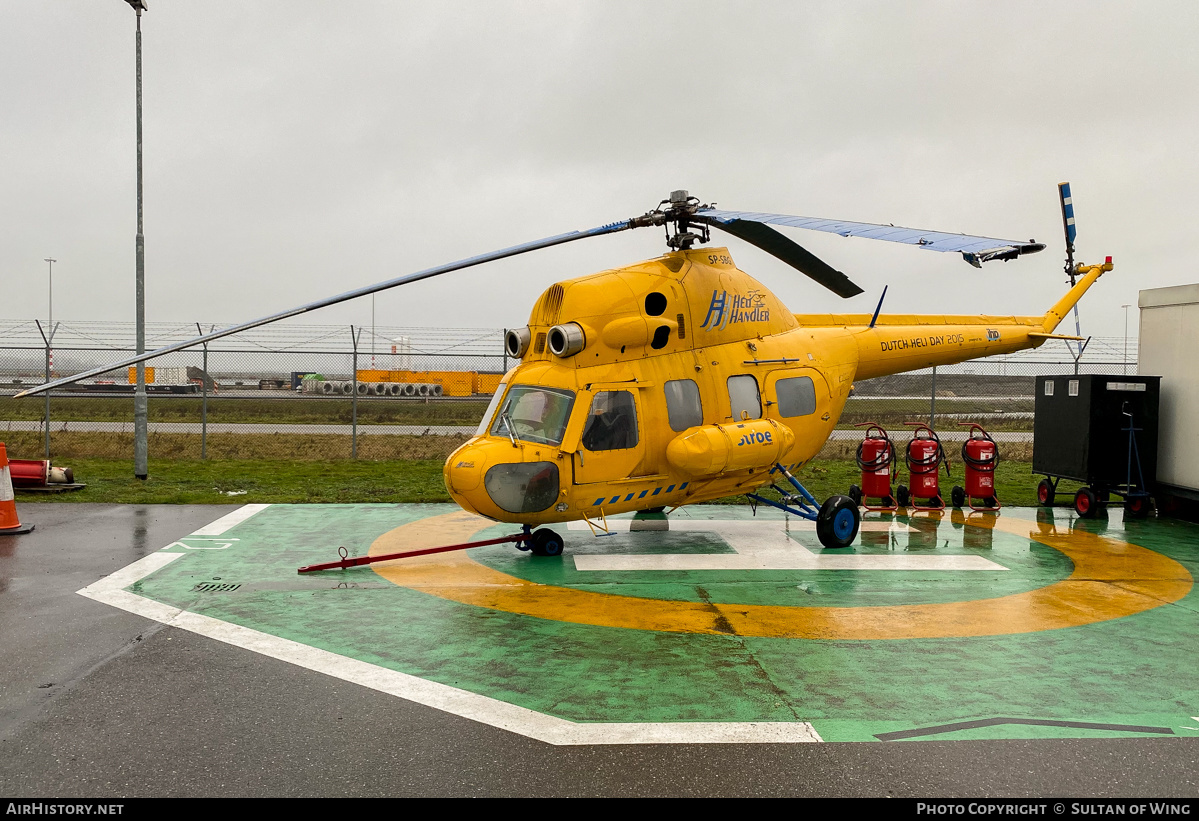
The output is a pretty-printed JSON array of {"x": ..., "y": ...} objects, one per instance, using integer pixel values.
[{"x": 712, "y": 449}]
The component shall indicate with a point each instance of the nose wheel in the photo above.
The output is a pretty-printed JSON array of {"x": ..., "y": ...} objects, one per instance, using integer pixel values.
[{"x": 546, "y": 542}]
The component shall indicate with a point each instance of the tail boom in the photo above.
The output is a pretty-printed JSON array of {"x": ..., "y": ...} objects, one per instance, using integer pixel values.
[{"x": 900, "y": 343}]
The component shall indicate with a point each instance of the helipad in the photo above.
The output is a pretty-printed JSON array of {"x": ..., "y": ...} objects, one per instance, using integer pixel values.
[{"x": 728, "y": 628}]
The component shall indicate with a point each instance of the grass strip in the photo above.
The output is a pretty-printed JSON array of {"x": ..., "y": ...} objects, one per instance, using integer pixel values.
[{"x": 345, "y": 481}]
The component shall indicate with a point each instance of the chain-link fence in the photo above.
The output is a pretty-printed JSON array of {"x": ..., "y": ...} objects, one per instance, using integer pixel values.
[
  {"x": 284, "y": 392},
  {"x": 336, "y": 392},
  {"x": 996, "y": 391}
]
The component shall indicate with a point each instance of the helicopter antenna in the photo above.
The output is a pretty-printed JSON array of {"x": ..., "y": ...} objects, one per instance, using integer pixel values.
[
  {"x": 1063, "y": 190},
  {"x": 874, "y": 318}
]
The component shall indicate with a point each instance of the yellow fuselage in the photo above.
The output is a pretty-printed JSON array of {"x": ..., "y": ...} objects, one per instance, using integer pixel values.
[{"x": 689, "y": 317}]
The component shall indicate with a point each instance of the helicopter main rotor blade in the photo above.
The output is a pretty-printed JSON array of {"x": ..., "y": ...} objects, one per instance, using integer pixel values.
[
  {"x": 789, "y": 251},
  {"x": 975, "y": 250},
  {"x": 559, "y": 239}
]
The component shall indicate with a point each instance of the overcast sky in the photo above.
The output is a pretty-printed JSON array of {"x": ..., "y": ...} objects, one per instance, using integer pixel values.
[{"x": 299, "y": 149}]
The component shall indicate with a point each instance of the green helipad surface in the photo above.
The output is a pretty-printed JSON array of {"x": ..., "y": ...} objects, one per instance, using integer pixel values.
[{"x": 1025, "y": 625}]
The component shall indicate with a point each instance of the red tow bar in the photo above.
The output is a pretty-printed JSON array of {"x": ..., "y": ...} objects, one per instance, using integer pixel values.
[{"x": 361, "y": 560}]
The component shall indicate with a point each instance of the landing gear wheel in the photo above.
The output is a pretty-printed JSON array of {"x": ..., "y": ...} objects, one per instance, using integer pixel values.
[
  {"x": 1045, "y": 493},
  {"x": 837, "y": 523},
  {"x": 547, "y": 543},
  {"x": 855, "y": 493},
  {"x": 958, "y": 496},
  {"x": 1137, "y": 507},
  {"x": 1086, "y": 503},
  {"x": 903, "y": 496}
]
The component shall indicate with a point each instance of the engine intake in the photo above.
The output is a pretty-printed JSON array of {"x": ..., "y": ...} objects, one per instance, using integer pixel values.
[
  {"x": 517, "y": 342},
  {"x": 566, "y": 340}
]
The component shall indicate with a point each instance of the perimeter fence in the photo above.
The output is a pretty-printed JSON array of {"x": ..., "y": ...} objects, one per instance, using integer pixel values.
[
  {"x": 284, "y": 392},
  {"x": 311, "y": 392}
]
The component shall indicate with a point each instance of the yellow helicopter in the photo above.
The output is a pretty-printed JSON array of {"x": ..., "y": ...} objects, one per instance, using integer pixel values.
[{"x": 682, "y": 379}]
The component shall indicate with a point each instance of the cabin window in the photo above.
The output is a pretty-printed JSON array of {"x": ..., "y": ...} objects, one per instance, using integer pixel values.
[
  {"x": 744, "y": 399},
  {"x": 683, "y": 406},
  {"x": 797, "y": 396},
  {"x": 534, "y": 414},
  {"x": 612, "y": 423}
]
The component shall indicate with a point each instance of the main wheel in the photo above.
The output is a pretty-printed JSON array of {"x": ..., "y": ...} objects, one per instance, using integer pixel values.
[
  {"x": 903, "y": 496},
  {"x": 1086, "y": 503},
  {"x": 855, "y": 493},
  {"x": 547, "y": 543},
  {"x": 958, "y": 496},
  {"x": 1138, "y": 507},
  {"x": 1045, "y": 493},
  {"x": 837, "y": 523}
]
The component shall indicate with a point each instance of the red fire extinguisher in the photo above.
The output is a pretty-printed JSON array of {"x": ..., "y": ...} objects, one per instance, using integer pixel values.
[
  {"x": 925, "y": 455},
  {"x": 876, "y": 458},
  {"x": 980, "y": 454}
]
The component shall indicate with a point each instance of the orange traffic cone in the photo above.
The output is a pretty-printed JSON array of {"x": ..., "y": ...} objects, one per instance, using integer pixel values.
[{"x": 10, "y": 525}]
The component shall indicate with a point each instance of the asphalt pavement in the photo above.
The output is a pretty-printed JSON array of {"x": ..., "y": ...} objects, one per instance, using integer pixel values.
[{"x": 97, "y": 702}]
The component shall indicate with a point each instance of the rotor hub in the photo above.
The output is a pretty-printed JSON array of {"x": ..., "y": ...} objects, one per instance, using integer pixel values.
[{"x": 675, "y": 214}]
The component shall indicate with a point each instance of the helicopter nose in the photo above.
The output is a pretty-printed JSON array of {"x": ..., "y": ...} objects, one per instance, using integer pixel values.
[
  {"x": 464, "y": 470},
  {"x": 481, "y": 476}
]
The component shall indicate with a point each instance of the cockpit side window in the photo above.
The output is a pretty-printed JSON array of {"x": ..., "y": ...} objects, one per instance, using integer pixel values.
[
  {"x": 612, "y": 423},
  {"x": 534, "y": 414},
  {"x": 744, "y": 399},
  {"x": 491, "y": 406}
]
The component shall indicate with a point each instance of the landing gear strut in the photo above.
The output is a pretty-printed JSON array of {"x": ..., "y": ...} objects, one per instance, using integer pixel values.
[{"x": 837, "y": 520}]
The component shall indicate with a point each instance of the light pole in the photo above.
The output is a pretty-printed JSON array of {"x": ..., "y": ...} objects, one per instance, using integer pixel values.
[
  {"x": 49, "y": 348},
  {"x": 373, "y": 366},
  {"x": 50, "y": 319},
  {"x": 140, "y": 469},
  {"x": 1125, "y": 307}
]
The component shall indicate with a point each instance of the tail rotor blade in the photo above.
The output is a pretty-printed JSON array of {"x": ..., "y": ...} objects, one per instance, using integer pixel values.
[{"x": 1063, "y": 191}]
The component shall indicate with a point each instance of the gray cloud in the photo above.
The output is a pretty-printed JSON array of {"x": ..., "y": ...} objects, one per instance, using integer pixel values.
[{"x": 299, "y": 149}]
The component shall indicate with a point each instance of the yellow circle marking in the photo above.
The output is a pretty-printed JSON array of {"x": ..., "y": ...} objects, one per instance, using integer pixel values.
[{"x": 1111, "y": 579}]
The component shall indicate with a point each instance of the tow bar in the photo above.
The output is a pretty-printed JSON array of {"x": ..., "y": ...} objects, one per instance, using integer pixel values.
[{"x": 357, "y": 561}]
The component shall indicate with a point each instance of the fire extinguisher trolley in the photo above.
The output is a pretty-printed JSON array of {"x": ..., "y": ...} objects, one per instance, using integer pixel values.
[
  {"x": 924, "y": 457},
  {"x": 980, "y": 455},
  {"x": 876, "y": 458}
]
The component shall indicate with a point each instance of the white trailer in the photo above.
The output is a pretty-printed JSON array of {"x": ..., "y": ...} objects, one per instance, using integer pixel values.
[{"x": 1168, "y": 341}]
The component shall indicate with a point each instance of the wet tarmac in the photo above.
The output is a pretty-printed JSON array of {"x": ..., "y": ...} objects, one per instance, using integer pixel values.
[{"x": 98, "y": 701}]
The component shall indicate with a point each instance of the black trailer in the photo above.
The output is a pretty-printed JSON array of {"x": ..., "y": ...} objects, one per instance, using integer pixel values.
[{"x": 1101, "y": 431}]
